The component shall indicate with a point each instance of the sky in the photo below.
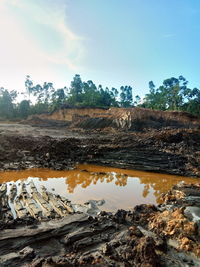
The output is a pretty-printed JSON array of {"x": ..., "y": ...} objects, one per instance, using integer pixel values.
[{"x": 111, "y": 42}]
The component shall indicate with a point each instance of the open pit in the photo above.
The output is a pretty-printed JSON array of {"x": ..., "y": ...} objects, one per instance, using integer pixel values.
[{"x": 52, "y": 165}]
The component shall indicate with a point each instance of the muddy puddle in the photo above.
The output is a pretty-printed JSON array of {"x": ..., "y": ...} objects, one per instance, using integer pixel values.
[{"x": 120, "y": 188}]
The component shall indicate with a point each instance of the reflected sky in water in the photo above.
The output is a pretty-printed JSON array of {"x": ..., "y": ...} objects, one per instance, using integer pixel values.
[{"x": 120, "y": 188}]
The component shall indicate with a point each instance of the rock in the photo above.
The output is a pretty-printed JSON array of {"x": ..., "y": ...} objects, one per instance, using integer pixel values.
[
  {"x": 90, "y": 207},
  {"x": 146, "y": 236},
  {"x": 30, "y": 159},
  {"x": 120, "y": 216},
  {"x": 143, "y": 151},
  {"x": 192, "y": 213},
  {"x": 27, "y": 251},
  {"x": 144, "y": 253}
]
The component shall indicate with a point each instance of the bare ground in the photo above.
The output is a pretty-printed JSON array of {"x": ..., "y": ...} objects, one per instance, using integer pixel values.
[
  {"x": 166, "y": 235},
  {"x": 168, "y": 150}
]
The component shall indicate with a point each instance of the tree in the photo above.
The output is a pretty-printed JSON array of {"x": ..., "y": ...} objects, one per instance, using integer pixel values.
[
  {"x": 152, "y": 87},
  {"x": 41, "y": 94},
  {"x": 193, "y": 102},
  {"x": 76, "y": 90},
  {"x": 126, "y": 97},
  {"x": 137, "y": 100},
  {"x": 115, "y": 92},
  {"x": 173, "y": 94},
  {"x": 87, "y": 94},
  {"x": 58, "y": 98},
  {"x": 28, "y": 85},
  {"x": 90, "y": 94},
  {"x": 24, "y": 108},
  {"x": 107, "y": 98},
  {"x": 6, "y": 105}
]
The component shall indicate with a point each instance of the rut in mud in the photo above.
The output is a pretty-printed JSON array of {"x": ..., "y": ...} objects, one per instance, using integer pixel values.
[
  {"x": 46, "y": 229},
  {"x": 168, "y": 151},
  {"x": 29, "y": 202},
  {"x": 165, "y": 235}
]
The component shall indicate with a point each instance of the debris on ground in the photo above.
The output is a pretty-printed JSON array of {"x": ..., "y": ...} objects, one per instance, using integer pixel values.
[{"x": 148, "y": 235}]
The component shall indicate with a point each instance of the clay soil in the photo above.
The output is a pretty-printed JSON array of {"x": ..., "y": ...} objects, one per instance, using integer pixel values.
[
  {"x": 165, "y": 235},
  {"x": 166, "y": 150},
  {"x": 148, "y": 235}
]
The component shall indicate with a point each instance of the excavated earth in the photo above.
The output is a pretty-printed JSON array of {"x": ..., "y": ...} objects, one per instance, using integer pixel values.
[
  {"x": 167, "y": 150},
  {"x": 40, "y": 229},
  {"x": 165, "y": 235}
]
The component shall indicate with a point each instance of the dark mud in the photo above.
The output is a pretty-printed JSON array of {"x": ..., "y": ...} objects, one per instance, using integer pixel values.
[
  {"x": 173, "y": 151},
  {"x": 165, "y": 235},
  {"x": 50, "y": 233}
]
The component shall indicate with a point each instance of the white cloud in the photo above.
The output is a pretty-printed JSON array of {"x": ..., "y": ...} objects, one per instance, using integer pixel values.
[{"x": 24, "y": 52}]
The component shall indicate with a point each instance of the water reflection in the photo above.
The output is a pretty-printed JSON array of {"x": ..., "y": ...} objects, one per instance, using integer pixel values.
[
  {"x": 121, "y": 188},
  {"x": 86, "y": 178}
]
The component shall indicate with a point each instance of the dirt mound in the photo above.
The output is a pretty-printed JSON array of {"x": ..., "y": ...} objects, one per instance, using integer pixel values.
[
  {"x": 93, "y": 123},
  {"x": 132, "y": 119},
  {"x": 140, "y": 119}
]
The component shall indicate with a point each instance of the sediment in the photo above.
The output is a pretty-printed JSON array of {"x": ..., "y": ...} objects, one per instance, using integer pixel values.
[
  {"x": 164, "y": 235},
  {"x": 39, "y": 228},
  {"x": 173, "y": 151},
  {"x": 134, "y": 138}
]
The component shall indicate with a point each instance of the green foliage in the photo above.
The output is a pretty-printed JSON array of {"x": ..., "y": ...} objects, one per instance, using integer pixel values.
[
  {"x": 76, "y": 90},
  {"x": 87, "y": 94},
  {"x": 28, "y": 85},
  {"x": 137, "y": 100},
  {"x": 173, "y": 94},
  {"x": 126, "y": 96},
  {"x": 24, "y": 109},
  {"x": 58, "y": 98},
  {"x": 6, "y": 103},
  {"x": 193, "y": 102},
  {"x": 39, "y": 108}
]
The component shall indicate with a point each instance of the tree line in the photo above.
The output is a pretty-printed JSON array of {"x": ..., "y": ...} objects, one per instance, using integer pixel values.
[{"x": 173, "y": 94}]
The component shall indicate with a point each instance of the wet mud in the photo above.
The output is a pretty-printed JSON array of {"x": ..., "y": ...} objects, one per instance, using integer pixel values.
[
  {"x": 173, "y": 151},
  {"x": 39, "y": 228},
  {"x": 148, "y": 235}
]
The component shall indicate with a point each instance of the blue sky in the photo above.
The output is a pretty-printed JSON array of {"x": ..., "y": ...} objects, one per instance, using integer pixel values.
[{"x": 112, "y": 42}]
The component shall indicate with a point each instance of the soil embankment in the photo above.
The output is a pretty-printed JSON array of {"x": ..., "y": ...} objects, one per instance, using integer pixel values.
[{"x": 131, "y": 119}]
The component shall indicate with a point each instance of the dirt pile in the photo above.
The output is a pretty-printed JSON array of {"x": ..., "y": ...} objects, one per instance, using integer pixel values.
[
  {"x": 132, "y": 119},
  {"x": 146, "y": 236},
  {"x": 179, "y": 217}
]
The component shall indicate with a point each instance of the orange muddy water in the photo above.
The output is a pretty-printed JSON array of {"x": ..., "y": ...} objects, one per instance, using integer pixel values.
[{"x": 120, "y": 188}]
